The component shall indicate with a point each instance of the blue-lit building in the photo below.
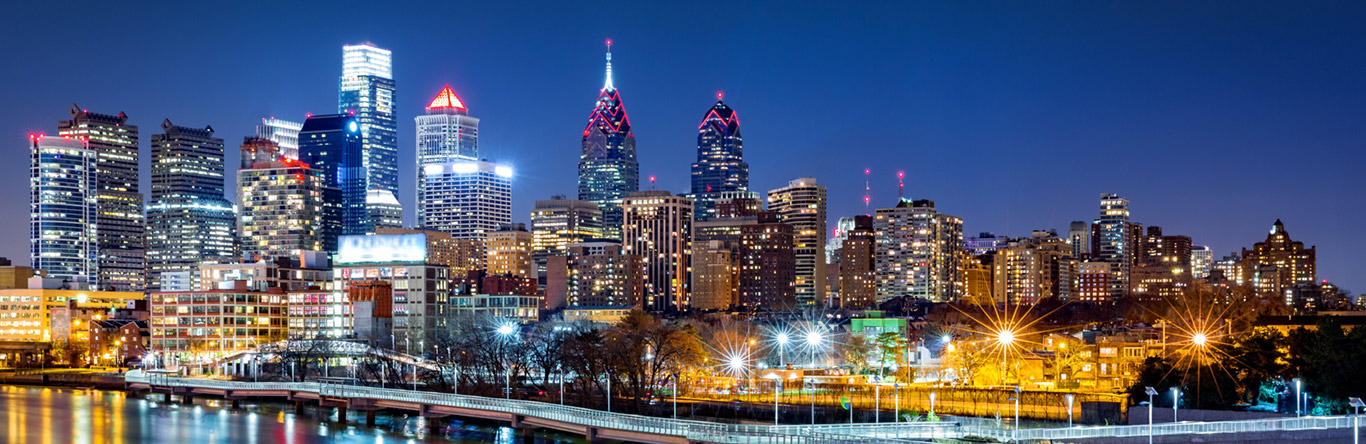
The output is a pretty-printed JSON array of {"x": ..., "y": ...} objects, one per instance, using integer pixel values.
[
  {"x": 189, "y": 221},
  {"x": 720, "y": 163},
  {"x": 63, "y": 207},
  {"x": 366, "y": 90},
  {"x": 608, "y": 170},
  {"x": 331, "y": 144}
]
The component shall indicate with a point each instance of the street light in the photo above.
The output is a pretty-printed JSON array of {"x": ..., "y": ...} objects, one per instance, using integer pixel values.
[
  {"x": 1297, "y": 397},
  {"x": 1016, "y": 435},
  {"x": 505, "y": 330},
  {"x": 1151, "y": 392},
  {"x": 782, "y": 344},
  {"x": 1176, "y": 400},
  {"x": 813, "y": 341},
  {"x": 1004, "y": 338},
  {"x": 931, "y": 403},
  {"x": 1356, "y": 418},
  {"x": 1069, "y": 410}
]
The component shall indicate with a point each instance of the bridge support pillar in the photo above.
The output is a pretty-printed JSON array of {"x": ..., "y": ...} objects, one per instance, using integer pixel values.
[
  {"x": 298, "y": 407},
  {"x": 528, "y": 435},
  {"x": 187, "y": 399},
  {"x": 591, "y": 434},
  {"x": 370, "y": 418},
  {"x": 341, "y": 414}
]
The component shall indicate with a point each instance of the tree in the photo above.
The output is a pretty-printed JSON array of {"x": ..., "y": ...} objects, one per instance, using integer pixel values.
[
  {"x": 1156, "y": 372},
  {"x": 856, "y": 350},
  {"x": 1258, "y": 358},
  {"x": 646, "y": 351},
  {"x": 891, "y": 348}
]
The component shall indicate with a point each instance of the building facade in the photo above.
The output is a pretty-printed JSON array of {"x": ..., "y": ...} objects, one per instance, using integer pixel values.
[
  {"x": 120, "y": 230},
  {"x": 421, "y": 290},
  {"x": 720, "y": 165},
  {"x": 286, "y": 208},
  {"x": 189, "y": 220},
  {"x": 446, "y": 133},
  {"x": 63, "y": 208},
  {"x": 200, "y": 327},
  {"x": 1112, "y": 242},
  {"x": 608, "y": 170},
  {"x": 802, "y": 204},
  {"x": 1278, "y": 263},
  {"x": 558, "y": 223},
  {"x": 658, "y": 227},
  {"x": 509, "y": 252},
  {"x": 594, "y": 274},
  {"x": 382, "y": 210},
  {"x": 331, "y": 144},
  {"x": 918, "y": 252},
  {"x": 467, "y": 199},
  {"x": 366, "y": 91},
  {"x": 284, "y": 133},
  {"x": 858, "y": 273},
  {"x": 768, "y": 264}
]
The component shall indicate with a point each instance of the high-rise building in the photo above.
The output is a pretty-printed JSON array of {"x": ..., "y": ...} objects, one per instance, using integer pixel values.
[
  {"x": 509, "y": 252},
  {"x": 1093, "y": 282},
  {"x": 1079, "y": 236},
  {"x": 382, "y": 210},
  {"x": 608, "y": 170},
  {"x": 715, "y": 275},
  {"x": 720, "y": 165},
  {"x": 286, "y": 207},
  {"x": 331, "y": 144},
  {"x": 466, "y": 198},
  {"x": 446, "y": 133},
  {"x": 63, "y": 207},
  {"x": 658, "y": 227},
  {"x": 802, "y": 204},
  {"x": 189, "y": 220},
  {"x": 241, "y": 318},
  {"x": 594, "y": 274},
  {"x": 560, "y": 222},
  {"x": 284, "y": 133},
  {"x": 461, "y": 256},
  {"x": 985, "y": 243},
  {"x": 835, "y": 244},
  {"x": 858, "y": 276},
  {"x": 918, "y": 252},
  {"x": 421, "y": 290},
  {"x": 768, "y": 264},
  {"x": 1229, "y": 269},
  {"x": 367, "y": 92},
  {"x": 120, "y": 232},
  {"x": 1112, "y": 241},
  {"x": 1202, "y": 261},
  {"x": 1029, "y": 270},
  {"x": 1278, "y": 263}
]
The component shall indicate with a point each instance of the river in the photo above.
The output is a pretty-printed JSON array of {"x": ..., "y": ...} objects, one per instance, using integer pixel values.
[{"x": 62, "y": 415}]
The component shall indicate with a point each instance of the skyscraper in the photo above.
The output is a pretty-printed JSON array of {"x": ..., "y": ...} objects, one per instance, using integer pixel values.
[
  {"x": 768, "y": 265},
  {"x": 720, "y": 163},
  {"x": 62, "y": 207},
  {"x": 284, "y": 133},
  {"x": 1202, "y": 261},
  {"x": 120, "y": 233},
  {"x": 1278, "y": 263},
  {"x": 189, "y": 221},
  {"x": 331, "y": 144},
  {"x": 918, "y": 252},
  {"x": 466, "y": 198},
  {"x": 367, "y": 92},
  {"x": 445, "y": 134},
  {"x": 1112, "y": 242},
  {"x": 658, "y": 227},
  {"x": 802, "y": 204},
  {"x": 382, "y": 210},
  {"x": 558, "y": 223},
  {"x": 1079, "y": 235},
  {"x": 608, "y": 171},
  {"x": 509, "y": 252},
  {"x": 286, "y": 208},
  {"x": 858, "y": 278}
]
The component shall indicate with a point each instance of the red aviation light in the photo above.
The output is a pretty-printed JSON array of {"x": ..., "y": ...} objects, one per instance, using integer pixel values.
[{"x": 298, "y": 177}]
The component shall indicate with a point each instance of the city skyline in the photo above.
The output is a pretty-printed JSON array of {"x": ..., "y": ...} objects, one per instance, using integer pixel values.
[{"x": 1206, "y": 127}]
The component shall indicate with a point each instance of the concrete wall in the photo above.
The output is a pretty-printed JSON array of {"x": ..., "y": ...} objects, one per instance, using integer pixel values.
[
  {"x": 1335, "y": 436},
  {"x": 1139, "y": 415}
]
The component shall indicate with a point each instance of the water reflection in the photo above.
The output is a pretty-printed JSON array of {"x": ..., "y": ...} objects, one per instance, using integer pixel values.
[{"x": 57, "y": 415}]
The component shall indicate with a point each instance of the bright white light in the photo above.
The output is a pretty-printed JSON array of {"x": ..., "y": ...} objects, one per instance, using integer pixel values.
[
  {"x": 432, "y": 170},
  {"x": 353, "y": 127},
  {"x": 1199, "y": 339},
  {"x": 782, "y": 338},
  {"x": 464, "y": 168},
  {"x": 947, "y": 339},
  {"x": 813, "y": 338},
  {"x": 1006, "y": 337},
  {"x": 736, "y": 363},
  {"x": 502, "y": 171},
  {"x": 505, "y": 329}
]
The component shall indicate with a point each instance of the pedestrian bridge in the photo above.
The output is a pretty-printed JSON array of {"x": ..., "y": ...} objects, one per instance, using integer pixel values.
[{"x": 597, "y": 425}]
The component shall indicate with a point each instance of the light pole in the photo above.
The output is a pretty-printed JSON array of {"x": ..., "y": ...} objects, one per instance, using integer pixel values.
[
  {"x": 813, "y": 341},
  {"x": 931, "y": 403},
  {"x": 1356, "y": 418},
  {"x": 505, "y": 331},
  {"x": 674, "y": 389},
  {"x": 1069, "y": 410},
  {"x": 1176, "y": 400},
  {"x": 877, "y": 401},
  {"x": 1150, "y": 391},
  {"x": 562, "y": 387},
  {"x": 1004, "y": 338},
  {"x": 777, "y": 389},
  {"x": 811, "y": 385},
  {"x": 896, "y": 406},
  {"x": 782, "y": 345},
  {"x": 609, "y": 392},
  {"x": 1297, "y": 397},
  {"x": 1015, "y": 433}
]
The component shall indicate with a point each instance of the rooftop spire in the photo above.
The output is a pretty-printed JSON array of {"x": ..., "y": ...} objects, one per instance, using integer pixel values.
[
  {"x": 607, "y": 86},
  {"x": 446, "y": 99}
]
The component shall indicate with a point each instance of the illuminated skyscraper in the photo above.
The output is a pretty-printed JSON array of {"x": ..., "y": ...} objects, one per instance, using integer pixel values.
[
  {"x": 559, "y": 222},
  {"x": 658, "y": 227},
  {"x": 1278, "y": 263},
  {"x": 720, "y": 163},
  {"x": 331, "y": 144},
  {"x": 802, "y": 204},
  {"x": 367, "y": 92},
  {"x": 120, "y": 233},
  {"x": 918, "y": 253},
  {"x": 286, "y": 208},
  {"x": 445, "y": 134},
  {"x": 382, "y": 210},
  {"x": 858, "y": 276},
  {"x": 467, "y": 198},
  {"x": 189, "y": 221},
  {"x": 62, "y": 207},
  {"x": 608, "y": 171},
  {"x": 1202, "y": 261},
  {"x": 284, "y": 133},
  {"x": 1112, "y": 242}
]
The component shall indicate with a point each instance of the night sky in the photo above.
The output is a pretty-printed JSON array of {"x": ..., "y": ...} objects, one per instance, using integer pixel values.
[{"x": 1213, "y": 118}]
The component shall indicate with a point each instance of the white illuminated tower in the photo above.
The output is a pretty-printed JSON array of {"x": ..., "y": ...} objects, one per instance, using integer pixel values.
[
  {"x": 367, "y": 92},
  {"x": 467, "y": 198},
  {"x": 445, "y": 134},
  {"x": 284, "y": 133}
]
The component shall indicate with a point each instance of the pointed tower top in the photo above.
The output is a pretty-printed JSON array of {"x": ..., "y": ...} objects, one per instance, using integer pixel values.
[
  {"x": 446, "y": 99},
  {"x": 607, "y": 86}
]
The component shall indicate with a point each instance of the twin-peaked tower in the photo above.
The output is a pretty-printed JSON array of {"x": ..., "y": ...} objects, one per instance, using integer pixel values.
[
  {"x": 720, "y": 163},
  {"x": 608, "y": 170}
]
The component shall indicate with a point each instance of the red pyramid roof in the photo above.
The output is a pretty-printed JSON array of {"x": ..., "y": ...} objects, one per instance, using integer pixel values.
[{"x": 446, "y": 99}]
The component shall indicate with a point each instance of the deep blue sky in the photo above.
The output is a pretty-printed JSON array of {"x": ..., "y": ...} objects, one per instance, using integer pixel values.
[{"x": 1213, "y": 118}]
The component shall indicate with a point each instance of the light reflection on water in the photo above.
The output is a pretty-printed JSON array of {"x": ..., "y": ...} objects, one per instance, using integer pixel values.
[{"x": 59, "y": 415}]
